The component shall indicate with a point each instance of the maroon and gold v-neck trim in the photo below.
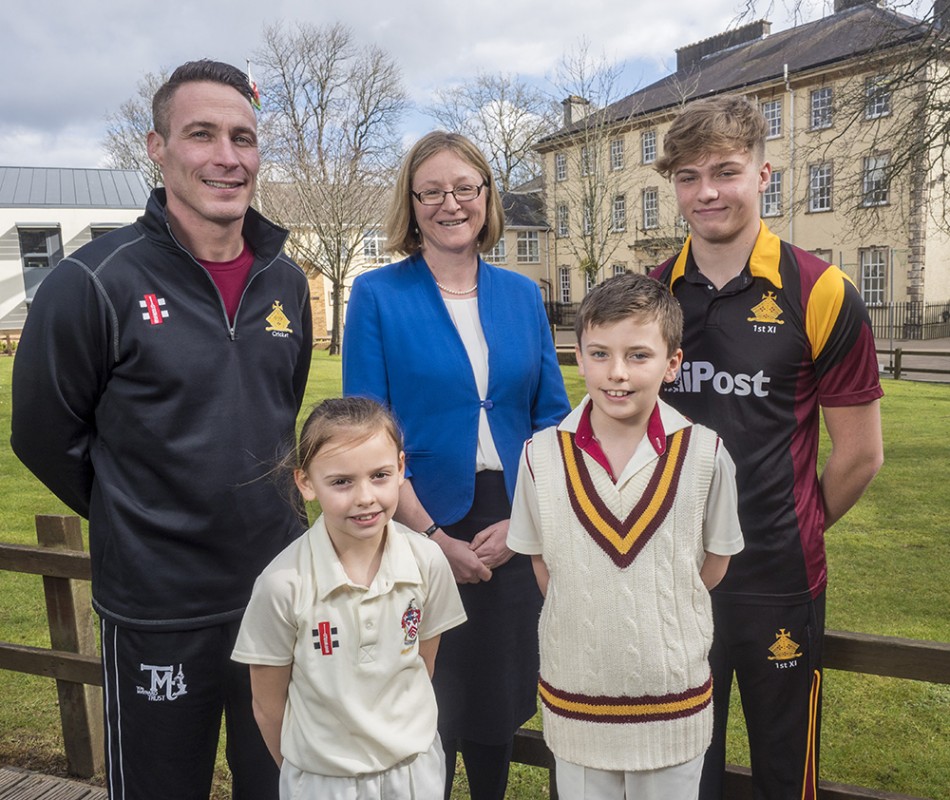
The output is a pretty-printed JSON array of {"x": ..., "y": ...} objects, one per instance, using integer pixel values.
[{"x": 623, "y": 540}]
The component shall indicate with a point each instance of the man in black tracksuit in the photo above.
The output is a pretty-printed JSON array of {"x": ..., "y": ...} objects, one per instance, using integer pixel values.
[{"x": 157, "y": 383}]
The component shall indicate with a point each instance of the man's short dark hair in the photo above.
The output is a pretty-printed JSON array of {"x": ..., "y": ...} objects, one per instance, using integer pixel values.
[
  {"x": 628, "y": 295},
  {"x": 194, "y": 72}
]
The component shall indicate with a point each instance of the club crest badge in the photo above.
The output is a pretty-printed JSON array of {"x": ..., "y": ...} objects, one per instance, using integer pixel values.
[
  {"x": 784, "y": 649},
  {"x": 165, "y": 684},
  {"x": 767, "y": 311},
  {"x": 411, "y": 618},
  {"x": 277, "y": 322}
]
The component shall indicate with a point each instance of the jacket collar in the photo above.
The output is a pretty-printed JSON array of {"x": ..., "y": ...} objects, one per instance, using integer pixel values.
[{"x": 265, "y": 238}]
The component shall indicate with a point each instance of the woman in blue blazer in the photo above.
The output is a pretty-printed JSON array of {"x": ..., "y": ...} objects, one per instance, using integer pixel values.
[{"x": 461, "y": 352}]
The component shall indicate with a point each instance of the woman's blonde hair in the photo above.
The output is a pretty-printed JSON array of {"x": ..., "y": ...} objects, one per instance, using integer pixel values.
[
  {"x": 724, "y": 124},
  {"x": 402, "y": 231}
]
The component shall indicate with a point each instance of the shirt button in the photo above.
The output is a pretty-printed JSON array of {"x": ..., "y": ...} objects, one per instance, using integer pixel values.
[
  {"x": 488, "y": 405},
  {"x": 369, "y": 626}
]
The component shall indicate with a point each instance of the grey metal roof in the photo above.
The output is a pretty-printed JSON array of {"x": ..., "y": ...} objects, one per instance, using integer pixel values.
[
  {"x": 523, "y": 210},
  {"x": 848, "y": 34},
  {"x": 57, "y": 187}
]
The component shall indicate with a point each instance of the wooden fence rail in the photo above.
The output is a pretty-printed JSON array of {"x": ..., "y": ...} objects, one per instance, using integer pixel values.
[{"x": 75, "y": 665}]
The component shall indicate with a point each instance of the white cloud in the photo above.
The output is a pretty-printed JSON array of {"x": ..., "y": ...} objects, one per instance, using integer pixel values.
[{"x": 70, "y": 66}]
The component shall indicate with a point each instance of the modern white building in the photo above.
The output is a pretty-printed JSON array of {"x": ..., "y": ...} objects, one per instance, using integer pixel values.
[{"x": 47, "y": 213}]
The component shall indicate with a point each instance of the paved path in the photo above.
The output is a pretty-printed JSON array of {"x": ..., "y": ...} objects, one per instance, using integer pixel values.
[{"x": 19, "y": 784}]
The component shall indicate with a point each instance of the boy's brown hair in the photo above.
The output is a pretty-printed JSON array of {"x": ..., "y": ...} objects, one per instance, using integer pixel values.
[
  {"x": 632, "y": 295},
  {"x": 724, "y": 124}
]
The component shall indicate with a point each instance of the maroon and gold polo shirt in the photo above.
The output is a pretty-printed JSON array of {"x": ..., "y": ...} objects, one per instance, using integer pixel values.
[{"x": 788, "y": 335}]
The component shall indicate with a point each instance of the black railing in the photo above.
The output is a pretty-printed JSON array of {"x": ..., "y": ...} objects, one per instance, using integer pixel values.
[{"x": 916, "y": 321}]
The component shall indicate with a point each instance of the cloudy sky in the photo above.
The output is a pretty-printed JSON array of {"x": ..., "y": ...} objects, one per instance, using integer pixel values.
[{"x": 68, "y": 65}]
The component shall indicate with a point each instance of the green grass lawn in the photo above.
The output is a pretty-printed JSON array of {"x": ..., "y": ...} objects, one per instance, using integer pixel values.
[{"x": 889, "y": 575}]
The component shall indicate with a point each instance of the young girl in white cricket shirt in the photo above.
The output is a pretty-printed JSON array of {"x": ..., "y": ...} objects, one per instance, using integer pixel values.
[{"x": 342, "y": 628}]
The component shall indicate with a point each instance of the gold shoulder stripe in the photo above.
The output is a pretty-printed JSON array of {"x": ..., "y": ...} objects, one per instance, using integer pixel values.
[
  {"x": 623, "y": 540},
  {"x": 824, "y": 305}
]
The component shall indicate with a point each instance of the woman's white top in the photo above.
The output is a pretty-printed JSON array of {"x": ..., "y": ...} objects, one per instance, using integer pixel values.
[{"x": 464, "y": 314}]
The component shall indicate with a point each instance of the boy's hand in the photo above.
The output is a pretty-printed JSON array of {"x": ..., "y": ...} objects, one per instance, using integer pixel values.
[{"x": 491, "y": 545}]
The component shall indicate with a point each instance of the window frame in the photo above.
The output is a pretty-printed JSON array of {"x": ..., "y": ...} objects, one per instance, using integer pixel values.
[
  {"x": 528, "y": 248},
  {"x": 873, "y": 286},
  {"x": 875, "y": 185},
  {"x": 821, "y": 108},
  {"x": 877, "y": 97},
  {"x": 617, "y": 154},
  {"x": 772, "y": 196},
  {"x": 564, "y": 284},
  {"x": 619, "y": 203},
  {"x": 773, "y": 121},
  {"x": 560, "y": 167},
  {"x": 826, "y": 191},
  {"x": 650, "y": 207},
  {"x": 648, "y": 146}
]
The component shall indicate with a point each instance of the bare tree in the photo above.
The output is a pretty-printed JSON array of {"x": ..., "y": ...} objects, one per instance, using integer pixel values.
[
  {"x": 127, "y": 128},
  {"x": 330, "y": 143},
  {"x": 504, "y": 116},
  {"x": 598, "y": 183}
]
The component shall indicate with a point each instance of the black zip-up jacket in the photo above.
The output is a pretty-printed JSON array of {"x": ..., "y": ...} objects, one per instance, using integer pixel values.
[{"x": 143, "y": 408}]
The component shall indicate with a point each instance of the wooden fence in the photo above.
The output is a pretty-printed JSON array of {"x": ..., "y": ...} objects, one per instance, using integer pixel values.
[{"x": 75, "y": 665}]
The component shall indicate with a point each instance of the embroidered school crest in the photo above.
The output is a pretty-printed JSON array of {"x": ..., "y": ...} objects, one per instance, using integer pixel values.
[
  {"x": 278, "y": 322},
  {"x": 784, "y": 649},
  {"x": 411, "y": 618},
  {"x": 767, "y": 311},
  {"x": 165, "y": 683}
]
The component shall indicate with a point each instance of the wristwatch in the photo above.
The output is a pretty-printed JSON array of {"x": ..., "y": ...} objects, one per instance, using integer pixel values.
[{"x": 432, "y": 529}]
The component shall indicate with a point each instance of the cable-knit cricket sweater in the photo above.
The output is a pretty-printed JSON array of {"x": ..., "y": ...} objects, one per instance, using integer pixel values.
[{"x": 627, "y": 624}]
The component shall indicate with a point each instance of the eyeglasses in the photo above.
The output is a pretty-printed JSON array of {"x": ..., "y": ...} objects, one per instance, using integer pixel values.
[{"x": 436, "y": 197}]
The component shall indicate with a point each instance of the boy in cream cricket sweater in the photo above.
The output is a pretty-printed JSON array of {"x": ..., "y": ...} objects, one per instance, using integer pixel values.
[{"x": 628, "y": 511}]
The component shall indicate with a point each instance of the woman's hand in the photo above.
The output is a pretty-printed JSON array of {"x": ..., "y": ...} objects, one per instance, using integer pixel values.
[
  {"x": 491, "y": 545},
  {"x": 466, "y": 565}
]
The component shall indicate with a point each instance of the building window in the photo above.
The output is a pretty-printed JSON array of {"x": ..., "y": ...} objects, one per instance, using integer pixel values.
[
  {"x": 619, "y": 269},
  {"x": 648, "y": 146},
  {"x": 616, "y": 154},
  {"x": 821, "y": 108},
  {"x": 651, "y": 209},
  {"x": 590, "y": 281},
  {"x": 873, "y": 274},
  {"x": 874, "y": 184},
  {"x": 529, "y": 247},
  {"x": 586, "y": 166},
  {"x": 619, "y": 215},
  {"x": 101, "y": 230},
  {"x": 878, "y": 97},
  {"x": 499, "y": 253},
  {"x": 772, "y": 111},
  {"x": 40, "y": 247},
  {"x": 560, "y": 167},
  {"x": 564, "y": 284},
  {"x": 374, "y": 247},
  {"x": 819, "y": 187},
  {"x": 772, "y": 197},
  {"x": 588, "y": 219},
  {"x": 563, "y": 217}
]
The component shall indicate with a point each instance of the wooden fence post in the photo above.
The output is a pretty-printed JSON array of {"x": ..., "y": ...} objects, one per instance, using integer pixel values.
[
  {"x": 71, "y": 628},
  {"x": 898, "y": 352}
]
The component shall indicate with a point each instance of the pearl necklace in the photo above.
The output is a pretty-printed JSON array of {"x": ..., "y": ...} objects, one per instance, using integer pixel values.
[{"x": 453, "y": 291}]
